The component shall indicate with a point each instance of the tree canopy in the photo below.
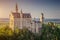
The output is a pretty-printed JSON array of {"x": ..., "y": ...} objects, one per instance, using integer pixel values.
[{"x": 48, "y": 32}]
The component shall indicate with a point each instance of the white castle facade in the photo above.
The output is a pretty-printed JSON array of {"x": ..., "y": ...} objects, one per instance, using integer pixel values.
[{"x": 24, "y": 20}]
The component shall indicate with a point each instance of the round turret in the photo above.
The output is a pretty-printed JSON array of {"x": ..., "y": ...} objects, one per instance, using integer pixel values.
[{"x": 42, "y": 18}]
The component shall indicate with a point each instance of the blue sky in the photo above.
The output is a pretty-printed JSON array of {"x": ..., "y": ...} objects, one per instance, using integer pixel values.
[{"x": 50, "y": 8}]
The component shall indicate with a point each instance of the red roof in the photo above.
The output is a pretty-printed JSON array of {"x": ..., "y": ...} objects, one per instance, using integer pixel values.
[
  {"x": 26, "y": 15},
  {"x": 16, "y": 15}
]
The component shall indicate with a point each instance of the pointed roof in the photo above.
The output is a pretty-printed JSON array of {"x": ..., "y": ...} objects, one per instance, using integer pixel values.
[
  {"x": 16, "y": 15},
  {"x": 42, "y": 14},
  {"x": 26, "y": 15},
  {"x": 16, "y": 8}
]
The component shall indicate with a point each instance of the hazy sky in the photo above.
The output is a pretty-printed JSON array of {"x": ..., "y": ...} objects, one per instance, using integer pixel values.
[{"x": 50, "y": 8}]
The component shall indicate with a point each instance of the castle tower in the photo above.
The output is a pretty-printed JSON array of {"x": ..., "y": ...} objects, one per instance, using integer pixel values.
[
  {"x": 42, "y": 18},
  {"x": 21, "y": 19},
  {"x": 15, "y": 19}
]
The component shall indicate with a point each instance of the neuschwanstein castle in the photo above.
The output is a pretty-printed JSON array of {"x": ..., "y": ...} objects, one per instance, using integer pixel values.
[{"x": 24, "y": 20}]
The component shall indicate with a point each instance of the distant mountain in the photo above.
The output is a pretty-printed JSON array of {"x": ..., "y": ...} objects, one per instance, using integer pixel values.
[
  {"x": 49, "y": 20},
  {"x": 4, "y": 20},
  {"x": 52, "y": 20}
]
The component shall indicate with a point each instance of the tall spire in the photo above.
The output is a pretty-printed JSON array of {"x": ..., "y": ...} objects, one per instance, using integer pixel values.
[{"x": 16, "y": 8}]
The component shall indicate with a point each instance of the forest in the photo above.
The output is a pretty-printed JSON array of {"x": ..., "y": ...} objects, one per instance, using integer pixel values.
[{"x": 48, "y": 32}]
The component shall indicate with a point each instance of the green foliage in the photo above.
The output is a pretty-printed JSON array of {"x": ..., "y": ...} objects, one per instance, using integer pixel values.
[
  {"x": 19, "y": 34},
  {"x": 58, "y": 25},
  {"x": 48, "y": 32}
]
